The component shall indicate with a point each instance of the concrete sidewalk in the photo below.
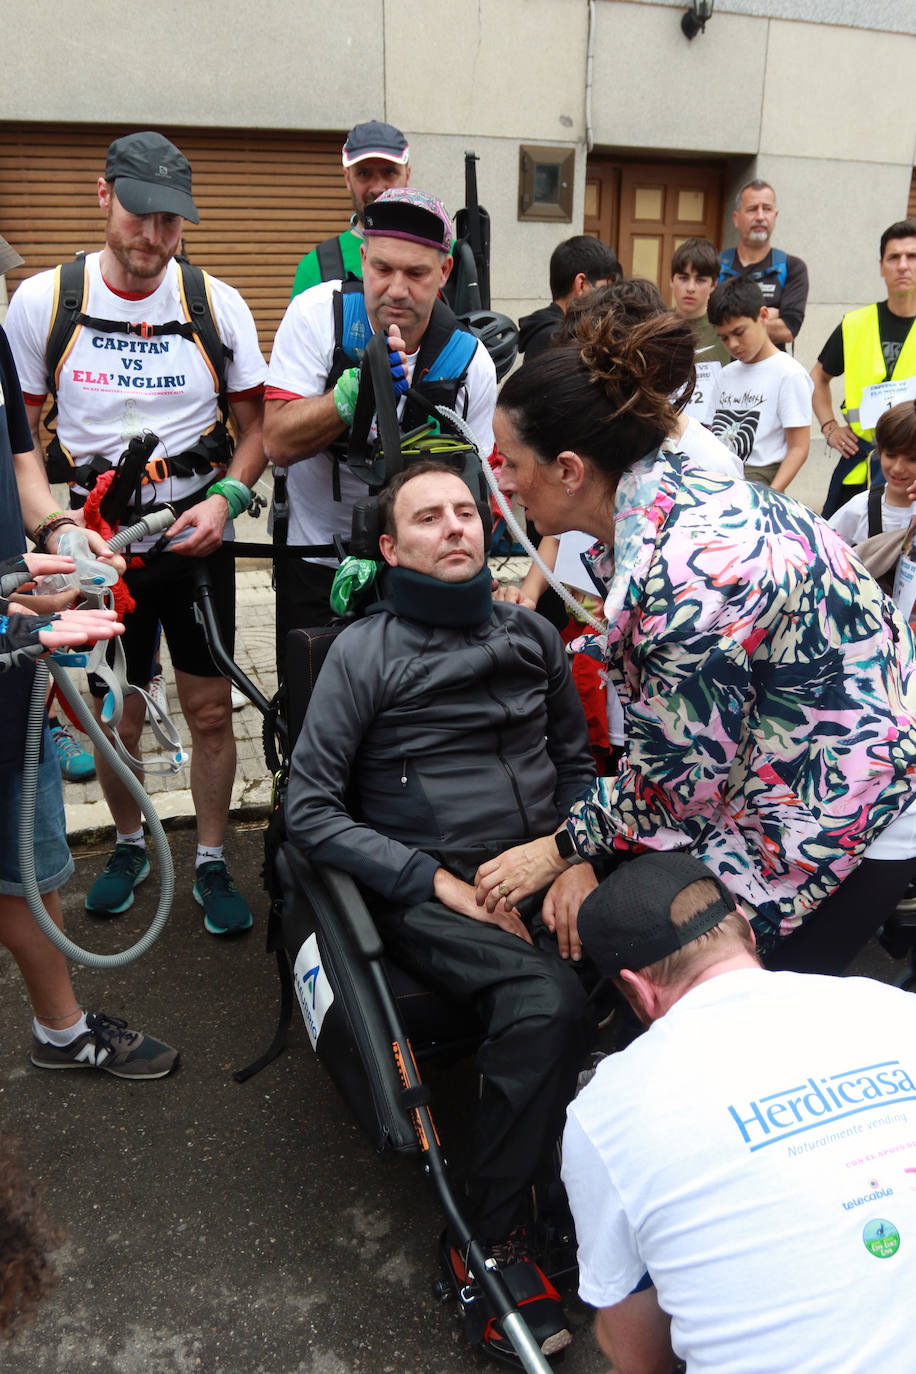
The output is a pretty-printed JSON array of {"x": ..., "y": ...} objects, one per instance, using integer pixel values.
[{"x": 87, "y": 813}]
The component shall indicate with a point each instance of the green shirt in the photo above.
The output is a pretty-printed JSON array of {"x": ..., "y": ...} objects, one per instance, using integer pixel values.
[
  {"x": 709, "y": 347},
  {"x": 308, "y": 273}
]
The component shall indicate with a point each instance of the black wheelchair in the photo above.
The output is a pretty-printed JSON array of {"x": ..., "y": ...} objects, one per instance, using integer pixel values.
[{"x": 371, "y": 1023}]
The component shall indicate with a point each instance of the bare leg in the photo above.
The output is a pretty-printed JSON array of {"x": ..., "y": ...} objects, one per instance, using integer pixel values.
[
  {"x": 43, "y": 967},
  {"x": 207, "y": 708},
  {"x": 124, "y": 810}
]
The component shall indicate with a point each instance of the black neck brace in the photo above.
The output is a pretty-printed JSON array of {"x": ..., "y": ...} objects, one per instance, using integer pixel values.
[{"x": 452, "y": 605}]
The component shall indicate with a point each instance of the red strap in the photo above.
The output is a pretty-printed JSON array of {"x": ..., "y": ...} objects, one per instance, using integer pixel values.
[{"x": 124, "y": 603}]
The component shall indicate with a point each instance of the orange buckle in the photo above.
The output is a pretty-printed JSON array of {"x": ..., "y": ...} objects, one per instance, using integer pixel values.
[
  {"x": 146, "y": 330},
  {"x": 157, "y": 469}
]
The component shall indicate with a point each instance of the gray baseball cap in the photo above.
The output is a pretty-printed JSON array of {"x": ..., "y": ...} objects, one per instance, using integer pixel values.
[{"x": 151, "y": 176}]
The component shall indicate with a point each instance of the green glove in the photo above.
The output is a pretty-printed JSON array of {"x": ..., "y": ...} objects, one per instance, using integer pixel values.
[
  {"x": 345, "y": 394},
  {"x": 352, "y": 577}
]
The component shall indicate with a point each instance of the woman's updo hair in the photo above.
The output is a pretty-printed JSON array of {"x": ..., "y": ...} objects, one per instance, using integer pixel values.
[{"x": 607, "y": 394}]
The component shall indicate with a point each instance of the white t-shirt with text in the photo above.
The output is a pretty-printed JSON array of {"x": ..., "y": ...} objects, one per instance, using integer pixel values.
[
  {"x": 755, "y": 1152},
  {"x": 755, "y": 403},
  {"x": 115, "y": 386}
]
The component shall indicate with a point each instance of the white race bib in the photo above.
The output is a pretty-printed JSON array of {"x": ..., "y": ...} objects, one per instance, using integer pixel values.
[
  {"x": 881, "y": 396},
  {"x": 700, "y": 405}
]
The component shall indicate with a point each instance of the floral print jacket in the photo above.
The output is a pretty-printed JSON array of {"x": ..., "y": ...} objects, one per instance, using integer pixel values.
[{"x": 769, "y": 690}]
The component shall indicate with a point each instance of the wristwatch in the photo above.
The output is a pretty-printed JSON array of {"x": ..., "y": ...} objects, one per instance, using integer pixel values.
[{"x": 565, "y": 847}]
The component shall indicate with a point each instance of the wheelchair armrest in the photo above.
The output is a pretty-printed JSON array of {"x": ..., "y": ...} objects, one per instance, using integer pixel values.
[{"x": 352, "y": 910}]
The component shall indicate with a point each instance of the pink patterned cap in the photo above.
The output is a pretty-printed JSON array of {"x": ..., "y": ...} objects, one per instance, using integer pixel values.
[{"x": 406, "y": 213}]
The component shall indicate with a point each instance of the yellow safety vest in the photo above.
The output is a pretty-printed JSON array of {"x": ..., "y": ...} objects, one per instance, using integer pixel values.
[{"x": 863, "y": 362}]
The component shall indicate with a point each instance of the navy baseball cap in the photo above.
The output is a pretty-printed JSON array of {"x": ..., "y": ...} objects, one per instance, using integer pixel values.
[
  {"x": 151, "y": 176},
  {"x": 626, "y": 921},
  {"x": 375, "y": 139}
]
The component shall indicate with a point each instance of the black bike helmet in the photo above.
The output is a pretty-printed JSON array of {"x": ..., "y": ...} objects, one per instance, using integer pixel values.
[{"x": 498, "y": 334}]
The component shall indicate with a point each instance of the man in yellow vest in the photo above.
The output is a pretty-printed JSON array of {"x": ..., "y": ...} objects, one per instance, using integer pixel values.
[{"x": 874, "y": 349}]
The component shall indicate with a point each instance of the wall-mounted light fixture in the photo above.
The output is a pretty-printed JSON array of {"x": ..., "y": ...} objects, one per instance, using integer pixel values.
[{"x": 694, "y": 20}]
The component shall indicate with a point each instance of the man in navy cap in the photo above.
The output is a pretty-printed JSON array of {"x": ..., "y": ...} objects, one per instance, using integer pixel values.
[
  {"x": 375, "y": 158},
  {"x": 313, "y": 380},
  {"x": 744, "y": 1169}
]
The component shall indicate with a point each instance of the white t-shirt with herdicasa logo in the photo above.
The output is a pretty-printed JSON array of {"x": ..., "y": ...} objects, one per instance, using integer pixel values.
[
  {"x": 756, "y": 402},
  {"x": 755, "y": 1152},
  {"x": 114, "y": 386}
]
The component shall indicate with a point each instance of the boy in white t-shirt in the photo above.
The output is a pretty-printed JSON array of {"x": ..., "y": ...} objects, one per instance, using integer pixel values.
[
  {"x": 762, "y": 406},
  {"x": 862, "y": 517}
]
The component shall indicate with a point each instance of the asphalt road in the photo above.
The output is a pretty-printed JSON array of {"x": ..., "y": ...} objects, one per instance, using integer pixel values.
[{"x": 212, "y": 1226}]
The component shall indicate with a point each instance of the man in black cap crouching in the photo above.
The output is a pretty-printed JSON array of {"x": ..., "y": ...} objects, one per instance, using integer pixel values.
[{"x": 747, "y": 1165}]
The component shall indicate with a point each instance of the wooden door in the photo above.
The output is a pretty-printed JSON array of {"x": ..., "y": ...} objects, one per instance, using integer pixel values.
[{"x": 644, "y": 210}]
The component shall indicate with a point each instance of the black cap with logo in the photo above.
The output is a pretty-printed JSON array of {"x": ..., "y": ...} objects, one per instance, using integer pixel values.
[
  {"x": 151, "y": 176},
  {"x": 626, "y": 921}
]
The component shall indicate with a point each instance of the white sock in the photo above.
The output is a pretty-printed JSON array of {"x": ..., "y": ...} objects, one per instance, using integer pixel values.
[
  {"x": 208, "y": 854},
  {"x": 60, "y": 1038},
  {"x": 136, "y": 838}
]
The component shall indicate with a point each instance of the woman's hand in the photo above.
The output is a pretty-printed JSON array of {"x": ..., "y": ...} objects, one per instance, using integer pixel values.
[
  {"x": 560, "y": 908},
  {"x": 516, "y": 873}
]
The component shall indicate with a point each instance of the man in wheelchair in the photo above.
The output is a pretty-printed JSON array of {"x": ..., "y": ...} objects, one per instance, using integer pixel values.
[{"x": 439, "y": 718}]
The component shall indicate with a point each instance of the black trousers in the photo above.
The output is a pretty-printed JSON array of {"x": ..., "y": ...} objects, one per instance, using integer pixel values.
[
  {"x": 303, "y": 600},
  {"x": 538, "y": 1029},
  {"x": 843, "y": 924}
]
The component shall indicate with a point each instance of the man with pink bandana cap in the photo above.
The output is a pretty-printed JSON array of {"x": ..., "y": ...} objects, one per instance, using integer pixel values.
[{"x": 313, "y": 379}]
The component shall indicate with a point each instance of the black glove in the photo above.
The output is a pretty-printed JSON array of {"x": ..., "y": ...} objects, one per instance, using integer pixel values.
[
  {"x": 13, "y": 572},
  {"x": 19, "y": 642}
]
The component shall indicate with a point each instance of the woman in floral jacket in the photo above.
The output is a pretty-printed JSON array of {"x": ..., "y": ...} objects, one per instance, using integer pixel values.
[{"x": 769, "y": 687}]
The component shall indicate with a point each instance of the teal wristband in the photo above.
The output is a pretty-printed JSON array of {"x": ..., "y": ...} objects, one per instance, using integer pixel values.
[{"x": 236, "y": 495}]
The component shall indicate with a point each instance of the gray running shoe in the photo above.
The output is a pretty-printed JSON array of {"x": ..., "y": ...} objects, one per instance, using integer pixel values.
[{"x": 108, "y": 1044}]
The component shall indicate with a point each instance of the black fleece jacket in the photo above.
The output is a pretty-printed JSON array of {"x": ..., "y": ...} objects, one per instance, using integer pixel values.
[{"x": 439, "y": 739}]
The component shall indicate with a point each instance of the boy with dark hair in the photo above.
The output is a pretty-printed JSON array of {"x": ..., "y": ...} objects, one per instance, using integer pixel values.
[
  {"x": 762, "y": 405},
  {"x": 577, "y": 266},
  {"x": 694, "y": 272}
]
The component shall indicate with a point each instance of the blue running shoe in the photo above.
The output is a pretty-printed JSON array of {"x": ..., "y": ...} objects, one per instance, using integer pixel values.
[
  {"x": 225, "y": 909},
  {"x": 113, "y": 890},
  {"x": 76, "y": 763}
]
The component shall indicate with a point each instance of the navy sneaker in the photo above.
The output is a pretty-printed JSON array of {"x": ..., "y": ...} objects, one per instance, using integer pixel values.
[
  {"x": 225, "y": 909},
  {"x": 108, "y": 1044},
  {"x": 113, "y": 890}
]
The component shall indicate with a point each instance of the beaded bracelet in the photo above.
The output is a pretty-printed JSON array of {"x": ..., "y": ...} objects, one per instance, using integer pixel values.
[
  {"x": 51, "y": 523},
  {"x": 834, "y": 424}
]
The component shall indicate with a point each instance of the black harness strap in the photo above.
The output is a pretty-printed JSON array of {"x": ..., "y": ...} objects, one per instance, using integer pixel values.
[
  {"x": 330, "y": 260},
  {"x": 875, "y": 523}
]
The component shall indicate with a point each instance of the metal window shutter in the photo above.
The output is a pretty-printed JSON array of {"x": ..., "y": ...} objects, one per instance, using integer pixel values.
[{"x": 265, "y": 198}]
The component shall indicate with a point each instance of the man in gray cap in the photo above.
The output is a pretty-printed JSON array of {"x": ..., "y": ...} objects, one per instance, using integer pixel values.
[
  {"x": 746, "y": 1165},
  {"x": 133, "y": 343},
  {"x": 375, "y": 158}
]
